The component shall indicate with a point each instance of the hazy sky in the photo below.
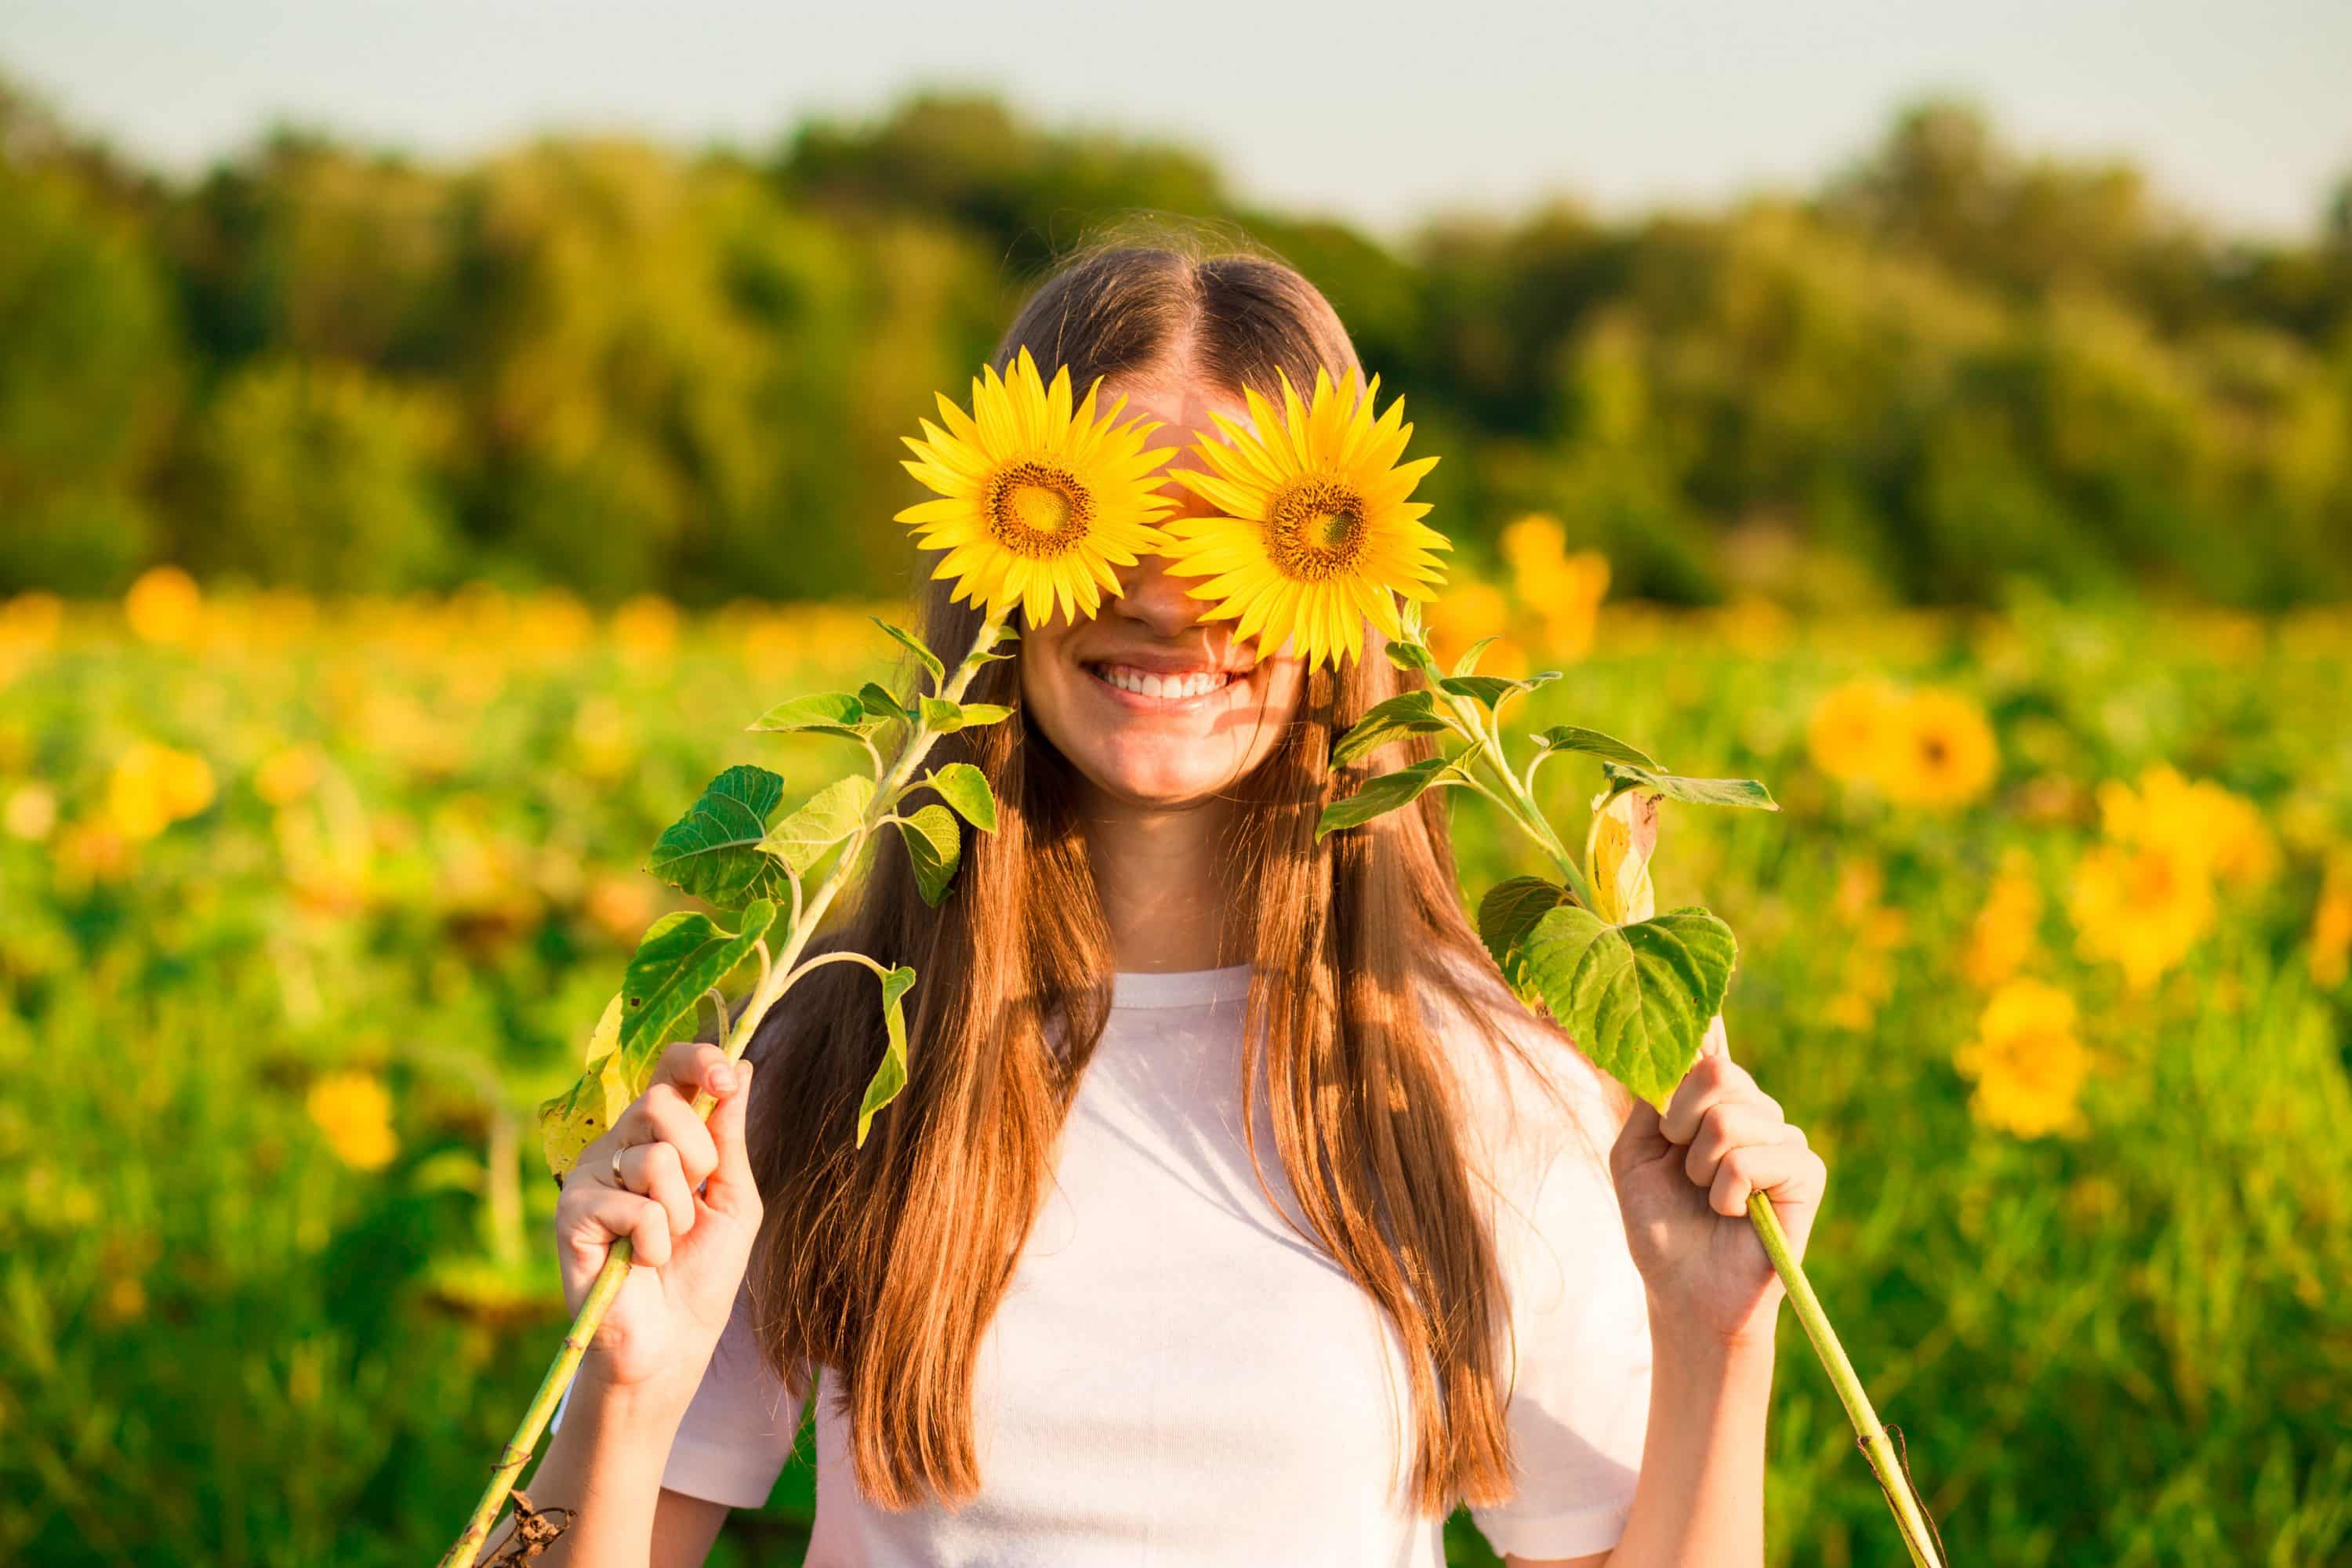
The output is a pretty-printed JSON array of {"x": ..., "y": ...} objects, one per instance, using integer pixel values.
[{"x": 2238, "y": 109}]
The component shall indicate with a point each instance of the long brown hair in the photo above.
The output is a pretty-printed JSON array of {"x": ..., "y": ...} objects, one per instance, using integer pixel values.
[{"x": 886, "y": 1263}]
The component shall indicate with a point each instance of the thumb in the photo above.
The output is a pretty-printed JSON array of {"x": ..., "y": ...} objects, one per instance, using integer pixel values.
[
  {"x": 1717, "y": 1041},
  {"x": 1642, "y": 1139},
  {"x": 731, "y": 1190}
]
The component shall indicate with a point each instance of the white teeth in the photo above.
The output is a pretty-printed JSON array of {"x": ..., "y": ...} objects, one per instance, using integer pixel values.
[{"x": 1144, "y": 683}]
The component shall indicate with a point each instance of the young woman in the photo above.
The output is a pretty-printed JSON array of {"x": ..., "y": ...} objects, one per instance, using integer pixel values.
[{"x": 1062, "y": 1309}]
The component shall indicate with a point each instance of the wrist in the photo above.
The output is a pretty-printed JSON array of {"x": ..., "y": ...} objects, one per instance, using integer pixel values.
[
  {"x": 1695, "y": 1350},
  {"x": 653, "y": 1407}
]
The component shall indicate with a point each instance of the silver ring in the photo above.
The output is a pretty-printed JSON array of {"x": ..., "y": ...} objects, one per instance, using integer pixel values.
[{"x": 616, "y": 1172}]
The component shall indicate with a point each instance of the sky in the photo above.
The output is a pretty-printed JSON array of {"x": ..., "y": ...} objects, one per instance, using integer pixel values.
[{"x": 1384, "y": 115}]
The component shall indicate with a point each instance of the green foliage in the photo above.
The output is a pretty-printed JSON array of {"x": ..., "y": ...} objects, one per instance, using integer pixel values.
[
  {"x": 924, "y": 657},
  {"x": 965, "y": 787},
  {"x": 1508, "y": 913},
  {"x": 683, "y": 956},
  {"x": 824, "y": 713},
  {"x": 949, "y": 717},
  {"x": 1636, "y": 998},
  {"x": 1622, "y": 777},
  {"x": 890, "y": 1077},
  {"x": 934, "y": 848},
  {"x": 1406, "y": 713},
  {"x": 714, "y": 851},
  {"x": 1383, "y": 793},
  {"x": 827, "y": 817},
  {"x": 1593, "y": 743}
]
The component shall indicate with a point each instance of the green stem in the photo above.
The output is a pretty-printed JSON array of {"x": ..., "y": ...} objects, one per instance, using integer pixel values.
[
  {"x": 776, "y": 980},
  {"x": 1910, "y": 1515}
]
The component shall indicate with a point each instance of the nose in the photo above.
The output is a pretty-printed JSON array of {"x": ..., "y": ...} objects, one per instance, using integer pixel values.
[{"x": 1156, "y": 599}]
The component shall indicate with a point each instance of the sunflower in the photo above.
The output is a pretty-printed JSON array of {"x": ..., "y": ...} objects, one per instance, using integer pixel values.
[
  {"x": 1038, "y": 502},
  {"x": 1314, "y": 534}
]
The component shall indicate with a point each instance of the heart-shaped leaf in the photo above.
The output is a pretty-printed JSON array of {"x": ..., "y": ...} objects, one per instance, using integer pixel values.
[
  {"x": 713, "y": 851},
  {"x": 1636, "y": 998},
  {"x": 683, "y": 955},
  {"x": 827, "y": 817},
  {"x": 890, "y": 1077},
  {"x": 934, "y": 845},
  {"x": 1383, "y": 794},
  {"x": 1406, "y": 713},
  {"x": 914, "y": 645},
  {"x": 1697, "y": 792},
  {"x": 965, "y": 787},
  {"x": 1508, "y": 911}
]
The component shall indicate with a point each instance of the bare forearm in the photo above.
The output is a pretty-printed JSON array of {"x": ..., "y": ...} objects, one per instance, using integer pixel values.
[
  {"x": 1700, "y": 1500},
  {"x": 605, "y": 1465}
]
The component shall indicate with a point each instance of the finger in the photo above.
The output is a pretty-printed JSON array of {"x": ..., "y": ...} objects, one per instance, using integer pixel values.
[
  {"x": 653, "y": 1169},
  {"x": 731, "y": 1188},
  {"x": 1717, "y": 1042},
  {"x": 690, "y": 1066},
  {"x": 1789, "y": 1172},
  {"x": 1714, "y": 1080},
  {"x": 667, "y": 1120},
  {"x": 1730, "y": 1124},
  {"x": 606, "y": 1214}
]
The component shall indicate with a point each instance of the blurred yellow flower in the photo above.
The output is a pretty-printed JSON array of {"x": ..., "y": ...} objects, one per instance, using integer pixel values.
[
  {"x": 1564, "y": 590},
  {"x": 287, "y": 775},
  {"x": 32, "y": 620},
  {"x": 2004, "y": 932},
  {"x": 2028, "y": 1066},
  {"x": 154, "y": 787},
  {"x": 2145, "y": 897},
  {"x": 1943, "y": 754},
  {"x": 31, "y": 813},
  {"x": 1469, "y": 612},
  {"x": 355, "y": 1113},
  {"x": 2331, "y": 927},
  {"x": 164, "y": 605},
  {"x": 1853, "y": 729},
  {"x": 644, "y": 628}
]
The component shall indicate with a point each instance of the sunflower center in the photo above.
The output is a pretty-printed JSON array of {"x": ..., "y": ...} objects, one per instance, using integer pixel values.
[
  {"x": 1315, "y": 530},
  {"x": 1034, "y": 508}
]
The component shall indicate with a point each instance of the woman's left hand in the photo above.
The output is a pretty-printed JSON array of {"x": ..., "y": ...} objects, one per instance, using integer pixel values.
[{"x": 1683, "y": 1181}]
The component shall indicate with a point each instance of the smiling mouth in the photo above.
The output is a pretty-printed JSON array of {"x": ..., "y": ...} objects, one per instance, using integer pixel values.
[{"x": 1178, "y": 686}]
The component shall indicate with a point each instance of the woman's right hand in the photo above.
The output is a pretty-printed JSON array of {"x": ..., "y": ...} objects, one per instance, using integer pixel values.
[{"x": 691, "y": 1246}]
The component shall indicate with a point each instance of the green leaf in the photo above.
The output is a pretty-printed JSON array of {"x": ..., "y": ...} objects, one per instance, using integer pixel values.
[
  {"x": 1469, "y": 660},
  {"x": 891, "y": 1075},
  {"x": 949, "y": 717},
  {"x": 1697, "y": 792},
  {"x": 965, "y": 787},
  {"x": 713, "y": 852},
  {"x": 914, "y": 645},
  {"x": 1483, "y": 689},
  {"x": 1410, "y": 656},
  {"x": 821, "y": 713},
  {"x": 683, "y": 955},
  {"x": 1383, "y": 794},
  {"x": 1636, "y": 998},
  {"x": 1407, "y": 713},
  {"x": 827, "y": 817},
  {"x": 1505, "y": 915},
  {"x": 934, "y": 845},
  {"x": 995, "y": 651},
  {"x": 878, "y": 703},
  {"x": 570, "y": 1122},
  {"x": 1569, "y": 738}
]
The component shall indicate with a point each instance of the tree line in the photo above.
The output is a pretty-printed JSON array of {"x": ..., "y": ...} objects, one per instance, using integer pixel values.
[{"x": 617, "y": 366}]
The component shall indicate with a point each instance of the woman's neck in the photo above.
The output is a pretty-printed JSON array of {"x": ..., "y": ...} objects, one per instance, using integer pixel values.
[{"x": 1162, "y": 877}]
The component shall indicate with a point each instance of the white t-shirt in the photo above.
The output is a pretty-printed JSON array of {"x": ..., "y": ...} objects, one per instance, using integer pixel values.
[{"x": 1175, "y": 1378}]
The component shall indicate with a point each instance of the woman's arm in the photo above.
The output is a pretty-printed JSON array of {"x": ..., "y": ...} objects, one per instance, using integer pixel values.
[{"x": 1683, "y": 1181}]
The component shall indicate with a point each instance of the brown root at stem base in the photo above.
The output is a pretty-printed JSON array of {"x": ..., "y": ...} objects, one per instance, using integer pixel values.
[
  {"x": 1902, "y": 1462},
  {"x": 535, "y": 1531}
]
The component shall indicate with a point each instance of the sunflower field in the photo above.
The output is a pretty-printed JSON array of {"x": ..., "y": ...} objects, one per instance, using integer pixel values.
[{"x": 304, "y": 905}]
